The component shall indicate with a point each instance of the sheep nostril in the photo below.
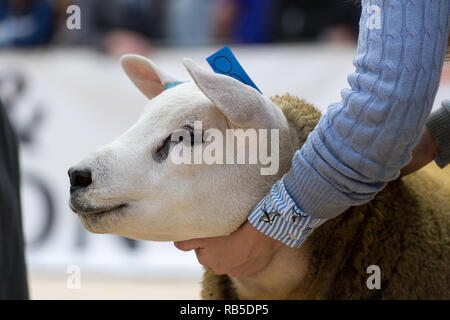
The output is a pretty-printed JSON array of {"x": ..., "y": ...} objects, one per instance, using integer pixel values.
[{"x": 79, "y": 178}]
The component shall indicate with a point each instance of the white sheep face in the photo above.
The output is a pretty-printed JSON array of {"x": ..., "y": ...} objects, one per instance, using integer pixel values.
[{"x": 134, "y": 189}]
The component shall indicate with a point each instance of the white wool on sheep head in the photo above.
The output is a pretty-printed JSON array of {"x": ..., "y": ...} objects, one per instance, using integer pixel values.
[{"x": 130, "y": 186}]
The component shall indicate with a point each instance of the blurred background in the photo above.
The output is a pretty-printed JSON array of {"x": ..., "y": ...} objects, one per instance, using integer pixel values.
[{"x": 66, "y": 95}]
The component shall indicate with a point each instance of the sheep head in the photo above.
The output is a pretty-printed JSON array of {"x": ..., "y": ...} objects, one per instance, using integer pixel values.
[{"x": 136, "y": 186}]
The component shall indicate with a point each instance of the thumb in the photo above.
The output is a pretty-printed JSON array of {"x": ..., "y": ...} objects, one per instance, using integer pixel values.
[{"x": 188, "y": 245}]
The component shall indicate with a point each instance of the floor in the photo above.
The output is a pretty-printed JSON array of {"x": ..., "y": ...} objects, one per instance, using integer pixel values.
[{"x": 43, "y": 287}]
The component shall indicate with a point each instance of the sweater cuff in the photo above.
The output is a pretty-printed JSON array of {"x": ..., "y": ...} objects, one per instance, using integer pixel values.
[
  {"x": 439, "y": 126},
  {"x": 278, "y": 217},
  {"x": 311, "y": 192}
]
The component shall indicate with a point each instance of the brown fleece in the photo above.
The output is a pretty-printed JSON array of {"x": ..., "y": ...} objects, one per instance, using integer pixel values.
[{"x": 405, "y": 230}]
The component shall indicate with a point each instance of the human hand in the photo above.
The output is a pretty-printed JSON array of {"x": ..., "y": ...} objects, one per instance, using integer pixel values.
[
  {"x": 241, "y": 254},
  {"x": 422, "y": 154}
]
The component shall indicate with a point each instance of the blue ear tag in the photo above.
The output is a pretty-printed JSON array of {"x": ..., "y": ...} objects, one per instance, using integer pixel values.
[
  {"x": 172, "y": 84},
  {"x": 225, "y": 62}
]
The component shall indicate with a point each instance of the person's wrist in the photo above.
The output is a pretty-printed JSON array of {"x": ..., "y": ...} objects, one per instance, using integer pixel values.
[{"x": 259, "y": 237}]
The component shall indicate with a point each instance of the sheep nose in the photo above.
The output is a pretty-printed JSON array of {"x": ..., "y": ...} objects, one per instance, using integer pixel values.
[{"x": 79, "y": 178}]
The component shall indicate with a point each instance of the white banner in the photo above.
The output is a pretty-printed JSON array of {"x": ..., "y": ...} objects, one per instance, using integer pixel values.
[{"x": 66, "y": 104}]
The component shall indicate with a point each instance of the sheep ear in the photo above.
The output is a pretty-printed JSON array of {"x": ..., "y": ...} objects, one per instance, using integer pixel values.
[
  {"x": 244, "y": 106},
  {"x": 145, "y": 75}
]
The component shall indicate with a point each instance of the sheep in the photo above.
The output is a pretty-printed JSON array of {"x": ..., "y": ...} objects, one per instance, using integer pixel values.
[{"x": 131, "y": 187}]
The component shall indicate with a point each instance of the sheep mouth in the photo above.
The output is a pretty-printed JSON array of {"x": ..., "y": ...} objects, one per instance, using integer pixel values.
[{"x": 90, "y": 212}]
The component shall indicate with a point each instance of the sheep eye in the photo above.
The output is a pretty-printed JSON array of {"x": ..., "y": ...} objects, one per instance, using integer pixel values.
[
  {"x": 162, "y": 152},
  {"x": 193, "y": 133}
]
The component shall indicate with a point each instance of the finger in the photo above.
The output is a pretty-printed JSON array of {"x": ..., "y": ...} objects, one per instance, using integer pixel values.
[
  {"x": 200, "y": 257},
  {"x": 249, "y": 268},
  {"x": 207, "y": 261},
  {"x": 188, "y": 245},
  {"x": 233, "y": 271},
  {"x": 240, "y": 271},
  {"x": 219, "y": 270}
]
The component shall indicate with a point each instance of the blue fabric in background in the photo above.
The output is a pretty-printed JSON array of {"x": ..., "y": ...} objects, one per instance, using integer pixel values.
[
  {"x": 32, "y": 26},
  {"x": 254, "y": 25}
]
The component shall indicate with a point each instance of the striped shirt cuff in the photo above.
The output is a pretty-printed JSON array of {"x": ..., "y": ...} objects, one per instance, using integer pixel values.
[{"x": 278, "y": 217}]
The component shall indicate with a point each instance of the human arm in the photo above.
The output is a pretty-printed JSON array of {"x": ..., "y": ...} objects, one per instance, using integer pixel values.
[{"x": 363, "y": 141}]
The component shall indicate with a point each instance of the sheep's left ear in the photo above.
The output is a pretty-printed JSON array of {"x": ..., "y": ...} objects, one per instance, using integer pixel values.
[
  {"x": 145, "y": 75},
  {"x": 244, "y": 106}
]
